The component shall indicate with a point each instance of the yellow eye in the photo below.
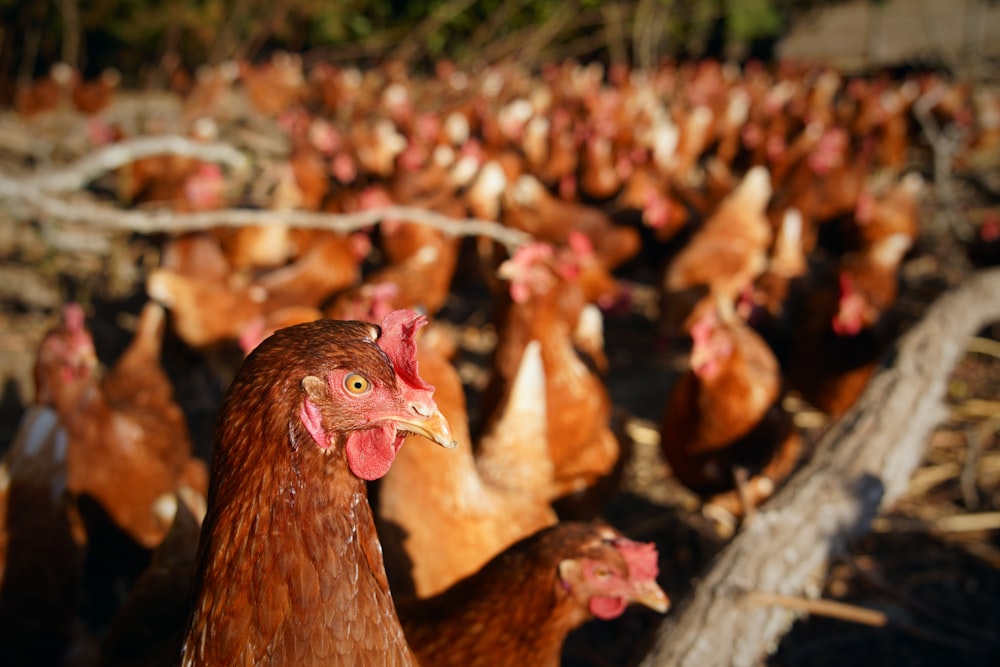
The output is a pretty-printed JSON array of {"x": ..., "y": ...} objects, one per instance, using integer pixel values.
[{"x": 356, "y": 384}]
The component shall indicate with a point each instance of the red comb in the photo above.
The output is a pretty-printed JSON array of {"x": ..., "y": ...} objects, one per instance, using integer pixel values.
[
  {"x": 580, "y": 244},
  {"x": 702, "y": 330},
  {"x": 398, "y": 341},
  {"x": 642, "y": 559},
  {"x": 73, "y": 316},
  {"x": 530, "y": 254},
  {"x": 846, "y": 284}
]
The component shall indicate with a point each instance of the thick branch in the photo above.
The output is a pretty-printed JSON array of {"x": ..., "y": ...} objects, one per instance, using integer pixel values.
[{"x": 862, "y": 464}]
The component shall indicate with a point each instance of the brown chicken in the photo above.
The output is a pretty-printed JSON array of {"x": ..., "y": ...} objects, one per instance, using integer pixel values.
[
  {"x": 725, "y": 413},
  {"x": 530, "y": 207},
  {"x": 894, "y": 209},
  {"x": 206, "y": 311},
  {"x": 289, "y": 567},
  {"x": 563, "y": 575},
  {"x": 328, "y": 263},
  {"x": 90, "y": 97},
  {"x": 210, "y": 303},
  {"x": 128, "y": 443},
  {"x": 722, "y": 259},
  {"x": 769, "y": 307},
  {"x": 47, "y": 93},
  {"x": 41, "y": 546},
  {"x": 845, "y": 324},
  {"x": 452, "y": 516},
  {"x": 275, "y": 85},
  {"x": 419, "y": 260},
  {"x": 545, "y": 304},
  {"x": 147, "y": 628}
]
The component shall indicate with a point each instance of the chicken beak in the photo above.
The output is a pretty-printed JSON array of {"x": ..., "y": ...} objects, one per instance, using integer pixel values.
[
  {"x": 649, "y": 594},
  {"x": 431, "y": 424}
]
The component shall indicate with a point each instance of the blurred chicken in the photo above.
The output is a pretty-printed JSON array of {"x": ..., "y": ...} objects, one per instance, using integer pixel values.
[
  {"x": 205, "y": 312},
  {"x": 419, "y": 260},
  {"x": 530, "y": 207},
  {"x": 563, "y": 576},
  {"x": 211, "y": 303},
  {"x": 46, "y": 94},
  {"x": 146, "y": 631},
  {"x": 91, "y": 97},
  {"x": 892, "y": 210},
  {"x": 661, "y": 208},
  {"x": 182, "y": 183},
  {"x": 545, "y": 304},
  {"x": 827, "y": 183},
  {"x": 768, "y": 308},
  {"x": 724, "y": 416},
  {"x": 41, "y": 543},
  {"x": 451, "y": 516},
  {"x": 276, "y": 85},
  {"x": 723, "y": 257},
  {"x": 128, "y": 443},
  {"x": 845, "y": 324},
  {"x": 329, "y": 263}
]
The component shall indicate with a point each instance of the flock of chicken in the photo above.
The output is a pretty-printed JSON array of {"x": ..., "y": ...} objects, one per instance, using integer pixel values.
[{"x": 775, "y": 201}]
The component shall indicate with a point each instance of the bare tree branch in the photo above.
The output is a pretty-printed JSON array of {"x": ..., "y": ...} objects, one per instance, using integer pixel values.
[
  {"x": 72, "y": 32},
  {"x": 36, "y": 192},
  {"x": 76, "y": 175},
  {"x": 166, "y": 220}
]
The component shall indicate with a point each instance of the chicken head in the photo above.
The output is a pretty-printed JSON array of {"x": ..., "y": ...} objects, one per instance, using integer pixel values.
[
  {"x": 375, "y": 412},
  {"x": 613, "y": 574}
]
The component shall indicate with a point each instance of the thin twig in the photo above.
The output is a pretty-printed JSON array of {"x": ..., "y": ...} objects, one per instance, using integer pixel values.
[
  {"x": 545, "y": 34},
  {"x": 495, "y": 24},
  {"x": 856, "y": 614},
  {"x": 614, "y": 31},
  {"x": 968, "y": 481},
  {"x": 968, "y": 523},
  {"x": 982, "y": 345},
  {"x": 820, "y": 607},
  {"x": 70, "y": 13},
  {"x": 416, "y": 40}
]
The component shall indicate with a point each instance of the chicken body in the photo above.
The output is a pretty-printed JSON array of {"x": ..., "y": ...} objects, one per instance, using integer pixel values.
[
  {"x": 451, "y": 516},
  {"x": 147, "y": 628},
  {"x": 724, "y": 413},
  {"x": 41, "y": 551},
  {"x": 564, "y": 575},
  {"x": 722, "y": 258},
  {"x": 289, "y": 566},
  {"x": 129, "y": 447},
  {"x": 846, "y": 323},
  {"x": 546, "y": 305}
]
